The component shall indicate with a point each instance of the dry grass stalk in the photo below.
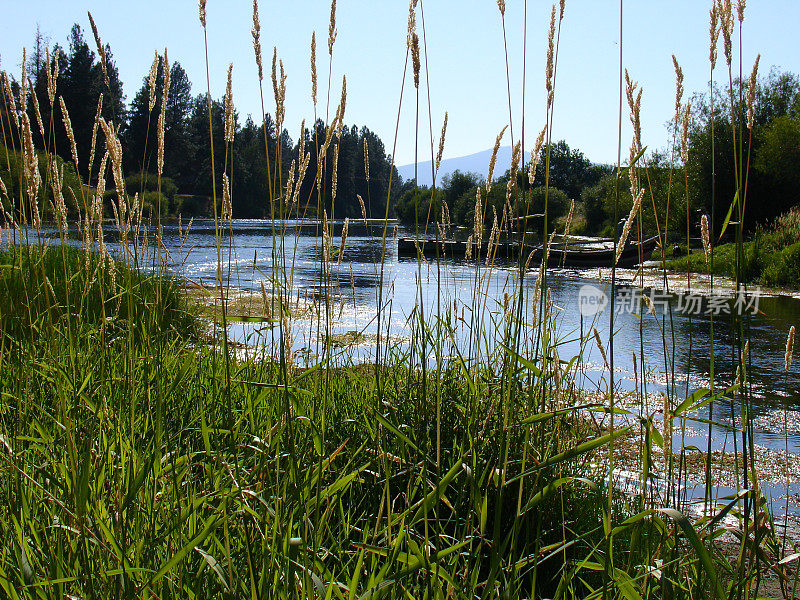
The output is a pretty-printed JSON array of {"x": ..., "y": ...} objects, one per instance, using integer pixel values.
[
  {"x": 787, "y": 361},
  {"x": 678, "y": 86},
  {"x": 363, "y": 208},
  {"x": 713, "y": 33},
  {"x": 256, "y": 33},
  {"x": 599, "y": 343},
  {"x": 68, "y": 128},
  {"x": 441, "y": 143},
  {"x": 31, "y": 169},
  {"x": 493, "y": 159},
  {"x": 288, "y": 340},
  {"x": 57, "y": 184},
  {"x": 344, "y": 240},
  {"x": 290, "y": 184},
  {"x": 227, "y": 206},
  {"x": 706, "y": 238},
  {"x": 494, "y": 234},
  {"x": 10, "y": 99},
  {"x": 163, "y": 114},
  {"x": 332, "y": 28},
  {"x": 95, "y": 127},
  {"x": 52, "y": 75},
  {"x": 751, "y": 93},
  {"x": 230, "y": 124},
  {"x": 550, "y": 68},
  {"x": 477, "y": 221},
  {"x": 366, "y": 160},
  {"x": 335, "y": 172},
  {"x": 516, "y": 156},
  {"x": 151, "y": 83},
  {"x": 101, "y": 51},
  {"x": 326, "y": 240},
  {"x": 415, "y": 62},
  {"x": 536, "y": 155},
  {"x": 626, "y": 229},
  {"x": 314, "y": 68},
  {"x": 202, "y": 8},
  {"x": 23, "y": 87},
  {"x": 37, "y": 113},
  {"x": 570, "y": 214}
]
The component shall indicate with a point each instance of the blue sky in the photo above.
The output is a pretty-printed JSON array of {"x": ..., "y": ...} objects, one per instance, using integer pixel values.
[{"x": 465, "y": 59}]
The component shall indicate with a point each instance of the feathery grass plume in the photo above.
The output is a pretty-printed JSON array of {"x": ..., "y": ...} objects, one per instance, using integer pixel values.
[
  {"x": 162, "y": 115},
  {"x": 713, "y": 33},
  {"x": 101, "y": 51},
  {"x": 57, "y": 184},
  {"x": 95, "y": 126},
  {"x": 412, "y": 22},
  {"x": 678, "y": 86},
  {"x": 550, "y": 69},
  {"x": 501, "y": 4},
  {"x": 477, "y": 222},
  {"x": 363, "y": 208},
  {"x": 52, "y": 75},
  {"x": 599, "y": 343},
  {"x": 10, "y": 99},
  {"x": 151, "y": 83},
  {"x": 229, "y": 110},
  {"x": 536, "y": 154},
  {"x": 561, "y": 10},
  {"x": 301, "y": 174},
  {"x": 290, "y": 184},
  {"x": 706, "y": 238},
  {"x": 415, "y": 62},
  {"x": 326, "y": 240},
  {"x": 37, "y": 112},
  {"x": 726, "y": 26},
  {"x": 332, "y": 28},
  {"x": 569, "y": 217},
  {"x": 68, "y": 128},
  {"x": 493, "y": 159},
  {"x": 468, "y": 245},
  {"x": 366, "y": 160},
  {"x": 649, "y": 303},
  {"x": 342, "y": 106},
  {"x": 31, "y": 168},
  {"x": 256, "y": 33},
  {"x": 787, "y": 360},
  {"x": 549, "y": 246},
  {"x": 626, "y": 229},
  {"x": 635, "y": 105},
  {"x": 202, "y": 7},
  {"x": 441, "y": 143},
  {"x": 687, "y": 112},
  {"x": 494, "y": 234},
  {"x": 751, "y": 93},
  {"x": 516, "y": 156},
  {"x": 740, "y": 5},
  {"x": 227, "y": 206},
  {"x": 344, "y": 240},
  {"x": 314, "y": 67},
  {"x": 23, "y": 84},
  {"x": 114, "y": 150},
  {"x": 335, "y": 172}
]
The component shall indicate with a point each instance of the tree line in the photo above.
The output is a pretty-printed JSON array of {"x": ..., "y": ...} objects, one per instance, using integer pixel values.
[{"x": 186, "y": 184}]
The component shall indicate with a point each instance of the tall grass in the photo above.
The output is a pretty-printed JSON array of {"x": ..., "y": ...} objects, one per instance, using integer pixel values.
[{"x": 141, "y": 458}]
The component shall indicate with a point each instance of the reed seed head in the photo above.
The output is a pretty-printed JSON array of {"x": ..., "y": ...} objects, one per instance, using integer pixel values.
[
  {"x": 678, "y": 85},
  {"x": 493, "y": 159},
  {"x": 789, "y": 349},
  {"x": 151, "y": 83},
  {"x": 335, "y": 172},
  {"x": 412, "y": 22},
  {"x": 314, "y": 67},
  {"x": 740, "y": 6},
  {"x": 95, "y": 127},
  {"x": 256, "y": 33},
  {"x": 51, "y": 69},
  {"x": 227, "y": 205},
  {"x": 68, "y": 128},
  {"x": 726, "y": 24},
  {"x": 713, "y": 33},
  {"x": 550, "y": 68},
  {"x": 441, "y": 143},
  {"x": 23, "y": 87},
  {"x": 344, "y": 240},
  {"x": 366, "y": 160},
  {"x": 230, "y": 121},
  {"x": 599, "y": 343},
  {"x": 501, "y": 4},
  {"x": 31, "y": 168},
  {"x": 363, "y": 208},
  {"x": 561, "y": 10},
  {"x": 415, "y": 61},
  {"x": 706, "y": 238},
  {"x": 569, "y": 217},
  {"x": 536, "y": 155},
  {"x": 626, "y": 229},
  {"x": 477, "y": 223},
  {"x": 202, "y": 8},
  {"x": 101, "y": 51},
  {"x": 332, "y": 28},
  {"x": 37, "y": 112},
  {"x": 10, "y": 99},
  {"x": 751, "y": 93},
  {"x": 687, "y": 112},
  {"x": 468, "y": 244}
]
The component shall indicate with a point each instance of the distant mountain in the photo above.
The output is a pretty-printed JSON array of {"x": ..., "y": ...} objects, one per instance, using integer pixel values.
[{"x": 475, "y": 163}]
